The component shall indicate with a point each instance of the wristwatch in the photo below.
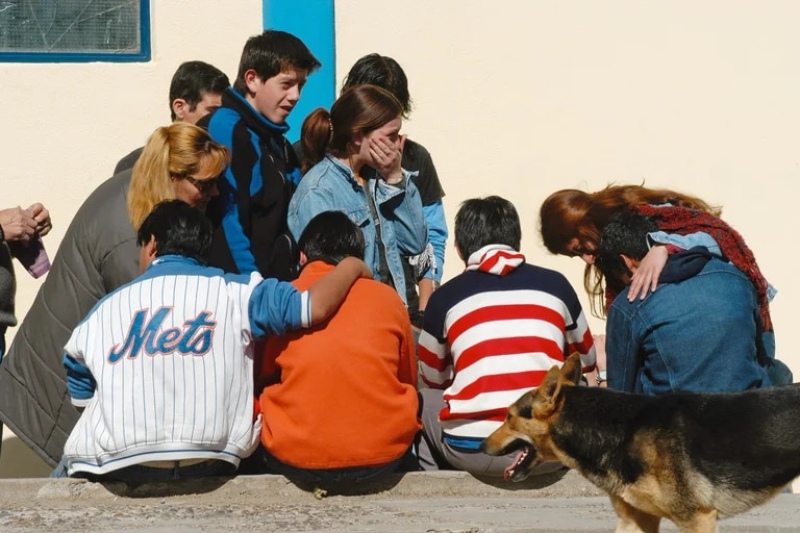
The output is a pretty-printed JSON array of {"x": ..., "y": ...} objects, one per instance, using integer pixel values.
[{"x": 601, "y": 377}]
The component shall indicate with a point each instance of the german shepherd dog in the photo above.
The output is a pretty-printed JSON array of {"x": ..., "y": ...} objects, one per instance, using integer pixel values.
[{"x": 690, "y": 458}]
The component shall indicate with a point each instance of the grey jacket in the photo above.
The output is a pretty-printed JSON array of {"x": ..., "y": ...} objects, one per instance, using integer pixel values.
[{"x": 97, "y": 255}]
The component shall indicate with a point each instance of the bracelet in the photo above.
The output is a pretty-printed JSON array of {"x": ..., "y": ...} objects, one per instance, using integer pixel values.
[
  {"x": 398, "y": 183},
  {"x": 601, "y": 376}
]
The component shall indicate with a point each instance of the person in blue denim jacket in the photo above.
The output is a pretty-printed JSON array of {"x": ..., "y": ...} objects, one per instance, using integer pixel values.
[
  {"x": 699, "y": 332},
  {"x": 361, "y": 132},
  {"x": 386, "y": 73},
  {"x": 571, "y": 221}
]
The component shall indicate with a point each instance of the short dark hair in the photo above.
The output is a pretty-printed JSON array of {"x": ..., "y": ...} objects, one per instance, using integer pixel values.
[
  {"x": 384, "y": 72},
  {"x": 193, "y": 80},
  {"x": 272, "y": 52},
  {"x": 179, "y": 229},
  {"x": 331, "y": 236},
  {"x": 484, "y": 221},
  {"x": 626, "y": 233}
]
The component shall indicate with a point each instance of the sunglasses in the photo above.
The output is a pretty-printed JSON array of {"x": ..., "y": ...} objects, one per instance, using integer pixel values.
[{"x": 204, "y": 186}]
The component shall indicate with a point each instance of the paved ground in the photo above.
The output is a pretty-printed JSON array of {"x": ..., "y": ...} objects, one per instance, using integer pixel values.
[{"x": 446, "y": 502}]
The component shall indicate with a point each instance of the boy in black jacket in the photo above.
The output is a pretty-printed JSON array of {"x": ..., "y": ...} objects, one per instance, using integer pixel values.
[{"x": 250, "y": 213}]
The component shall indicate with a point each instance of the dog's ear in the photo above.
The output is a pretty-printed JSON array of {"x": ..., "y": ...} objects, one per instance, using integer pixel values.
[
  {"x": 547, "y": 393},
  {"x": 548, "y": 396},
  {"x": 572, "y": 369}
]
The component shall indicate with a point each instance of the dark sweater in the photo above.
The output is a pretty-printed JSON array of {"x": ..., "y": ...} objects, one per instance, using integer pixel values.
[{"x": 8, "y": 288}]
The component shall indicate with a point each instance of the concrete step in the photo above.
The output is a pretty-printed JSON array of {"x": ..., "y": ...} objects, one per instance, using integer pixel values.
[{"x": 433, "y": 502}]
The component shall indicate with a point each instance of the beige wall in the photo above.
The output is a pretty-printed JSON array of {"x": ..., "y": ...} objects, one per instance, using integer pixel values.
[
  {"x": 516, "y": 98},
  {"x": 522, "y": 98},
  {"x": 66, "y": 125}
]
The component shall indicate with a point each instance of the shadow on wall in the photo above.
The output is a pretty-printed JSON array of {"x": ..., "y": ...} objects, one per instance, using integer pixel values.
[{"x": 19, "y": 461}]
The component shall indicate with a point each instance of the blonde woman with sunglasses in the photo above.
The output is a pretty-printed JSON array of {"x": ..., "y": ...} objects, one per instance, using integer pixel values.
[{"x": 97, "y": 254}]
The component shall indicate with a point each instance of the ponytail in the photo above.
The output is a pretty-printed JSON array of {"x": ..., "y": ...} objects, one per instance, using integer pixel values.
[
  {"x": 315, "y": 135},
  {"x": 150, "y": 181},
  {"x": 360, "y": 109}
]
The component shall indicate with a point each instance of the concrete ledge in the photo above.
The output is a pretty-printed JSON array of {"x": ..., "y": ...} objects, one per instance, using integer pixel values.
[
  {"x": 257, "y": 489},
  {"x": 440, "y": 502}
]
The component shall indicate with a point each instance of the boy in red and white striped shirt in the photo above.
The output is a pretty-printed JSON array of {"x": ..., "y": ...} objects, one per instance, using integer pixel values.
[{"x": 489, "y": 335}]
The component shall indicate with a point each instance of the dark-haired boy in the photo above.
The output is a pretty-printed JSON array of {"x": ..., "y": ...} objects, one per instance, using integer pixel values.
[
  {"x": 194, "y": 92},
  {"x": 250, "y": 212},
  {"x": 489, "y": 335},
  {"x": 164, "y": 364},
  {"x": 339, "y": 402},
  {"x": 699, "y": 332}
]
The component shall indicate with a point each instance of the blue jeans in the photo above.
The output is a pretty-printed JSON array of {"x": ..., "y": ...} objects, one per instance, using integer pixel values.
[{"x": 60, "y": 469}]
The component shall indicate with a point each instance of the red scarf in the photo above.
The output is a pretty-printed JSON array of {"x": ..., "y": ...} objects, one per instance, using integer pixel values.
[
  {"x": 684, "y": 221},
  {"x": 497, "y": 259}
]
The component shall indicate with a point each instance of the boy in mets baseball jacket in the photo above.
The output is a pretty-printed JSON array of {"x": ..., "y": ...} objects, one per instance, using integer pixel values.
[{"x": 163, "y": 366}]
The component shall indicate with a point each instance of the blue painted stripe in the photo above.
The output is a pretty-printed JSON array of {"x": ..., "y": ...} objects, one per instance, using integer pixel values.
[{"x": 313, "y": 22}]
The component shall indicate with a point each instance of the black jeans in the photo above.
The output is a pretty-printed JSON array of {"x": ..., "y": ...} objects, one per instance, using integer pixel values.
[
  {"x": 337, "y": 475},
  {"x": 144, "y": 474}
]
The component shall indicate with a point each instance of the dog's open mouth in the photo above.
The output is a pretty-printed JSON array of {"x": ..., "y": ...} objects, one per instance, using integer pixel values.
[{"x": 523, "y": 462}]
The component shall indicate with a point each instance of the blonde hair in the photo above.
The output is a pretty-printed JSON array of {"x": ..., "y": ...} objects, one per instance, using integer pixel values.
[{"x": 180, "y": 149}]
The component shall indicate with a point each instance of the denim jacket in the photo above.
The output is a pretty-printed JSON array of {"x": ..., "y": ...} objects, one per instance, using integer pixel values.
[
  {"x": 779, "y": 373},
  {"x": 331, "y": 186},
  {"x": 697, "y": 335},
  {"x": 700, "y": 238}
]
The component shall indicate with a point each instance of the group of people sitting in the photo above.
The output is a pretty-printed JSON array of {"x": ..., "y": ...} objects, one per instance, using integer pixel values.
[{"x": 222, "y": 302}]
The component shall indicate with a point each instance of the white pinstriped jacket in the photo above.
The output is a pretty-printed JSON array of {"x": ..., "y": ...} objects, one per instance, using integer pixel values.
[{"x": 164, "y": 366}]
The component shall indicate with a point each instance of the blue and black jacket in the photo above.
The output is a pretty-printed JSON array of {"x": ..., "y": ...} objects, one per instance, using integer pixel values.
[{"x": 250, "y": 213}]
